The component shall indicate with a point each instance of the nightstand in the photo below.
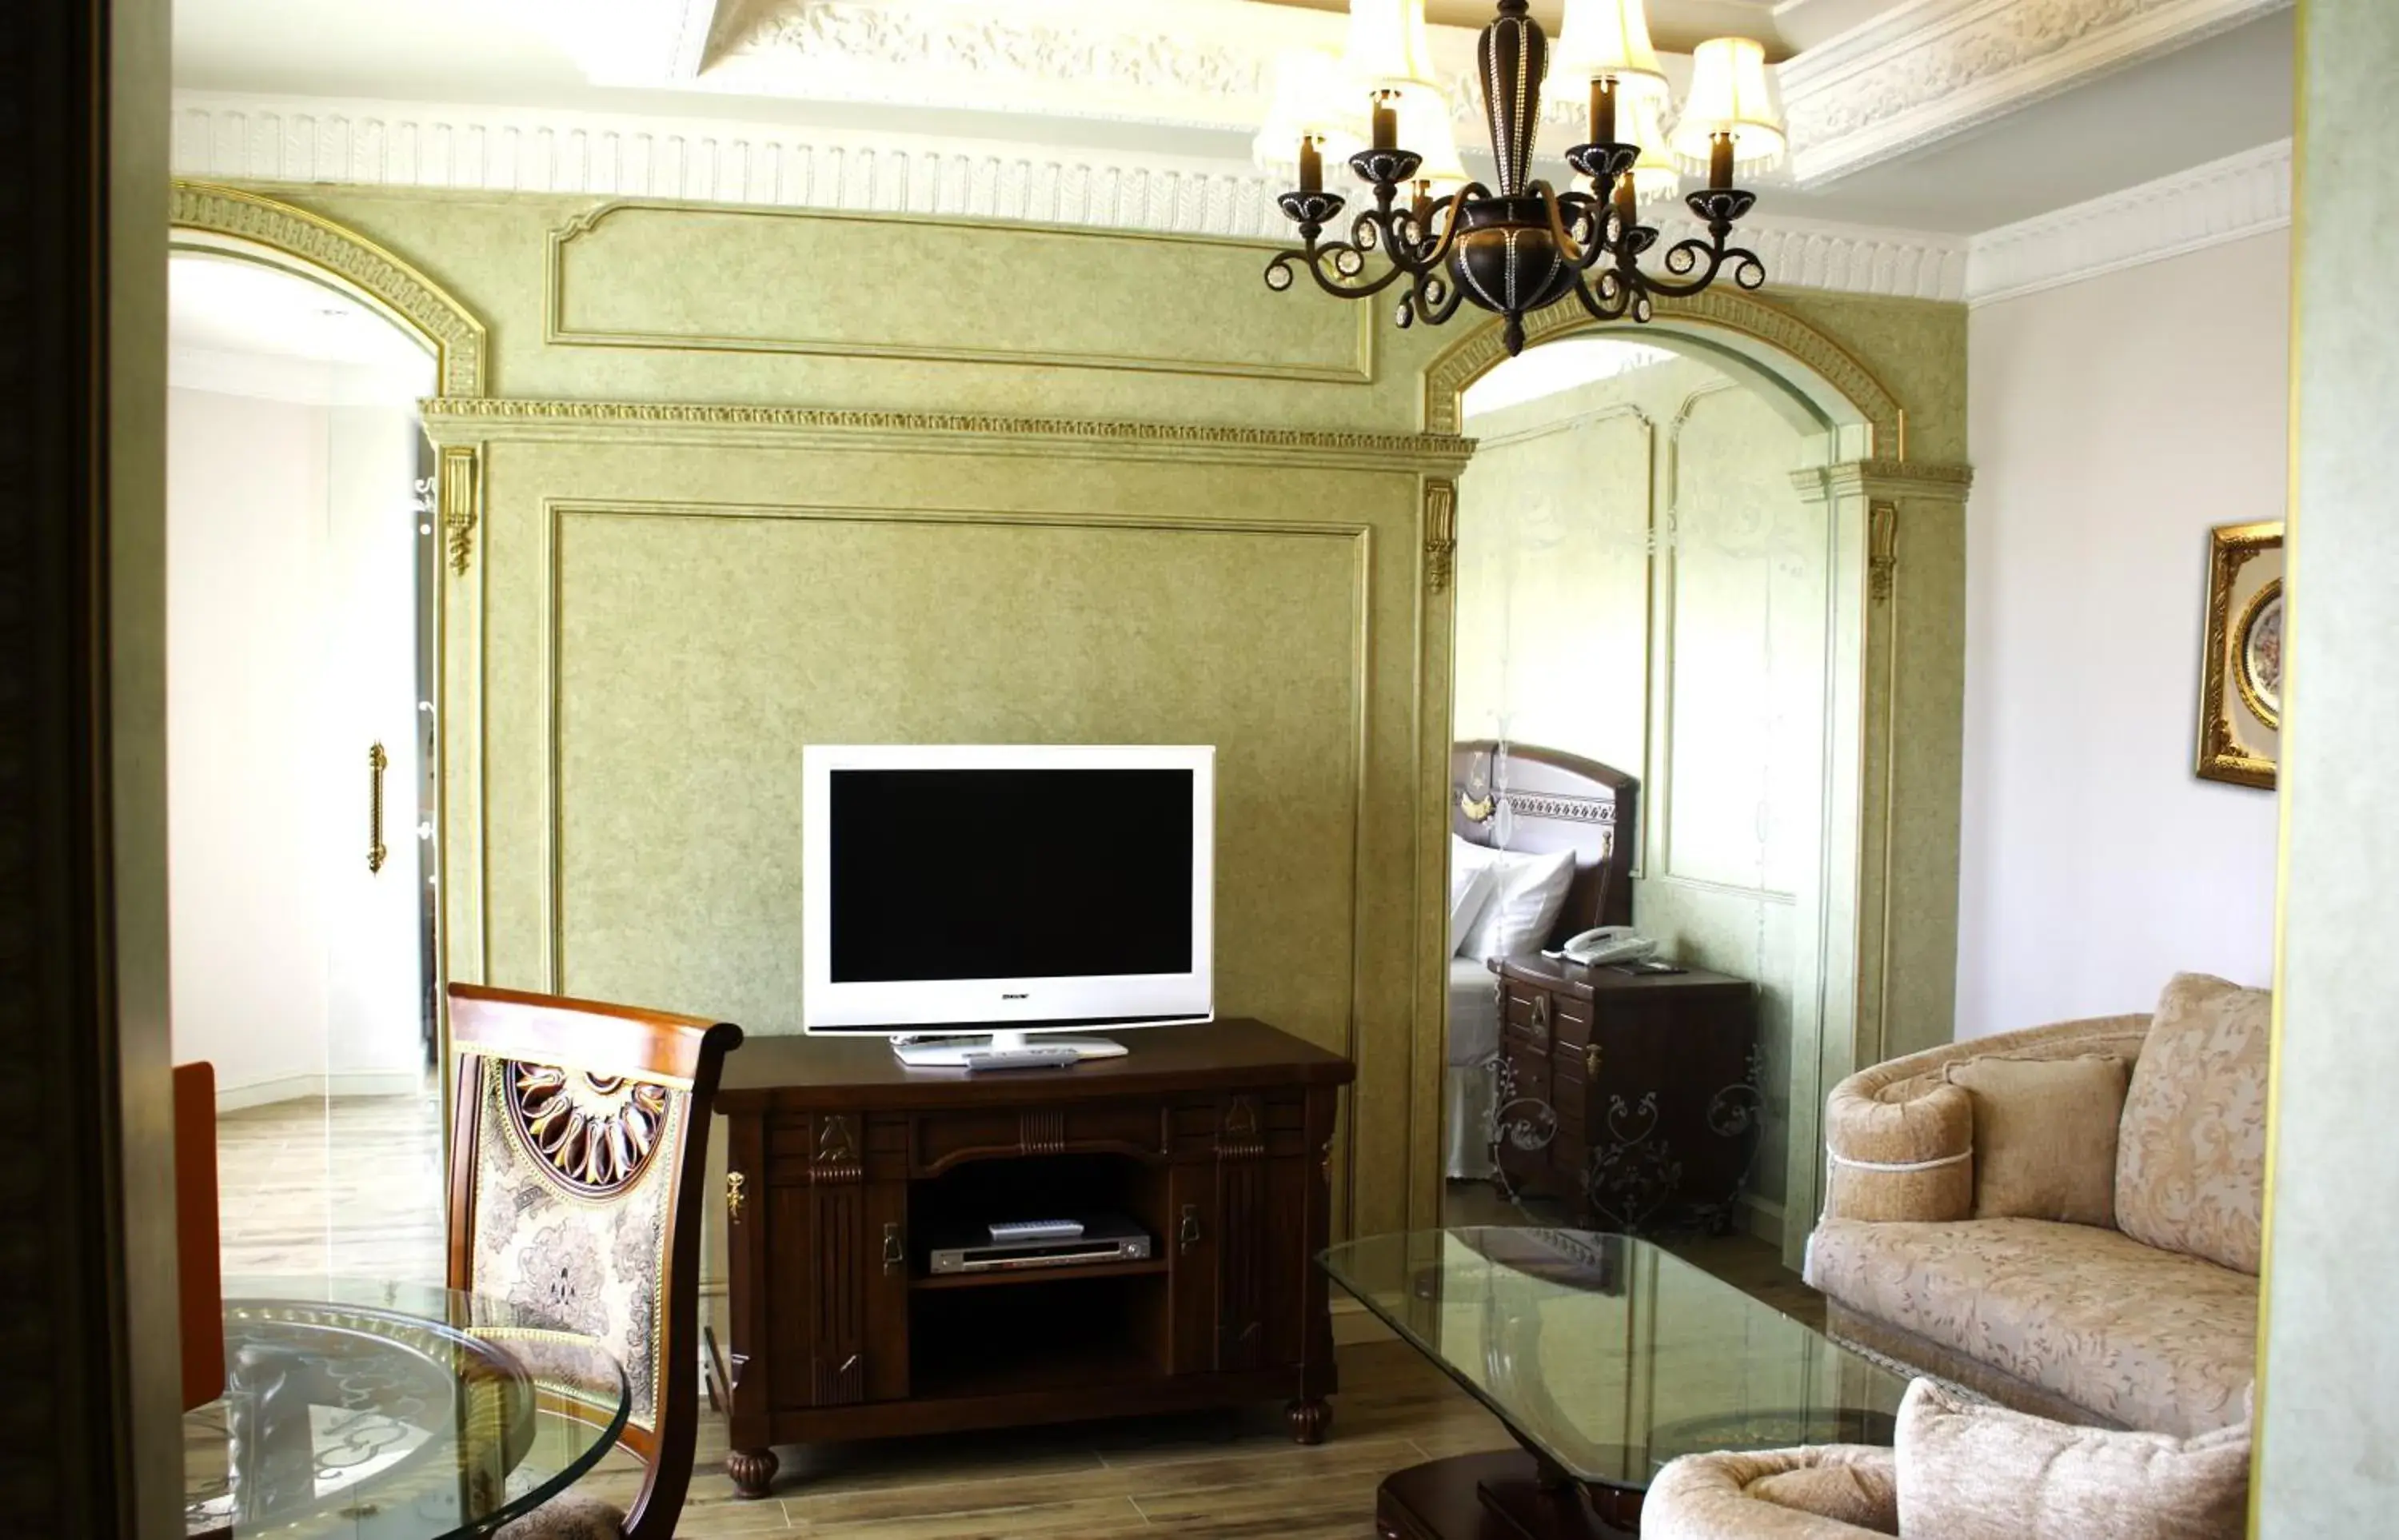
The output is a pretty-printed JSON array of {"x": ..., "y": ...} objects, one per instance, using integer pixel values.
[{"x": 1633, "y": 1098}]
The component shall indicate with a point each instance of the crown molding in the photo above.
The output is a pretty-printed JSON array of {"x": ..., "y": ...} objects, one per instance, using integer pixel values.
[
  {"x": 2244, "y": 195},
  {"x": 257, "y": 139},
  {"x": 1934, "y": 68}
]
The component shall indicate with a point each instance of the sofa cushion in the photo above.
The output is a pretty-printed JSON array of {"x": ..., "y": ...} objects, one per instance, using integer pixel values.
[
  {"x": 1986, "y": 1473},
  {"x": 2191, "y": 1162},
  {"x": 2145, "y": 1338},
  {"x": 1839, "y": 1492},
  {"x": 2045, "y": 1136}
]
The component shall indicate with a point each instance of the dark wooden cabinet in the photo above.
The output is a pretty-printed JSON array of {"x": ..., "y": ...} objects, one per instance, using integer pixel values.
[
  {"x": 843, "y": 1165},
  {"x": 1633, "y": 1098}
]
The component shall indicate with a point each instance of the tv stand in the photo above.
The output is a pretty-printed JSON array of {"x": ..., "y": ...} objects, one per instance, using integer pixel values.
[
  {"x": 950, "y": 1053},
  {"x": 843, "y": 1166}
]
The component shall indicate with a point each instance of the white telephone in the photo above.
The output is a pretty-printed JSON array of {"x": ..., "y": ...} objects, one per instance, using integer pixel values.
[{"x": 1609, "y": 944}]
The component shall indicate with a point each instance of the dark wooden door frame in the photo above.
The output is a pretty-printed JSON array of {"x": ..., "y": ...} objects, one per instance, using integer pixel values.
[{"x": 87, "y": 1227}]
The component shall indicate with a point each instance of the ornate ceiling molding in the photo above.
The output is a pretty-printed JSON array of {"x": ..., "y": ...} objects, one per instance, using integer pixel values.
[
  {"x": 2240, "y": 195},
  {"x": 1925, "y": 72},
  {"x": 405, "y": 144}
]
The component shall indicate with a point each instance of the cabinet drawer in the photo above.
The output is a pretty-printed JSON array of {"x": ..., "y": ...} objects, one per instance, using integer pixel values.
[
  {"x": 1540, "y": 1017},
  {"x": 944, "y": 1139}
]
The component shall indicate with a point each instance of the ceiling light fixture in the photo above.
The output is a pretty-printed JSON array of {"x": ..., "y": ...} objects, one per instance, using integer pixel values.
[{"x": 1526, "y": 246}]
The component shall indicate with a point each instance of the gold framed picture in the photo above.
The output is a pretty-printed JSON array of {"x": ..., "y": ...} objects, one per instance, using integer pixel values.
[{"x": 2240, "y": 677}]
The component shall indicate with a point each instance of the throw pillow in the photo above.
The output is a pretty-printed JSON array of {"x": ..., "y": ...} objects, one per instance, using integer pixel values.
[
  {"x": 1471, "y": 882},
  {"x": 2190, "y": 1163},
  {"x": 2045, "y": 1136},
  {"x": 1524, "y": 905},
  {"x": 1986, "y": 1473}
]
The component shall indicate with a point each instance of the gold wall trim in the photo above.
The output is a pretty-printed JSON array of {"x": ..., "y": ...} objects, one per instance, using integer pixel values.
[
  {"x": 460, "y": 343},
  {"x": 1440, "y": 533},
  {"x": 1359, "y": 369},
  {"x": 449, "y": 421},
  {"x": 555, "y": 511},
  {"x": 1742, "y": 315},
  {"x": 460, "y": 508}
]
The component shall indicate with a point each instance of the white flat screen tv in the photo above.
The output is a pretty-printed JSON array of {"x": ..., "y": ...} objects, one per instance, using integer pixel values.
[{"x": 1007, "y": 889}]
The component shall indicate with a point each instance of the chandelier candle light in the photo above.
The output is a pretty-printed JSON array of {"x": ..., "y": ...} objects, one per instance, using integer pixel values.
[{"x": 1526, "y": 246}]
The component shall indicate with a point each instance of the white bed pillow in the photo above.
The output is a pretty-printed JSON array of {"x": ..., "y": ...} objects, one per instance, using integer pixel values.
[
  {"x": 1530, "y": 892},
  {"x": 1470, "y": 884}
]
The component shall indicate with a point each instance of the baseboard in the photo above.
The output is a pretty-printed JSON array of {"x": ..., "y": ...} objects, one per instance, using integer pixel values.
[
  {"x": 1354, "y": 1324},
  {"x": 317, "y": 1087},
  {"x": 1762, "y": 1218}
]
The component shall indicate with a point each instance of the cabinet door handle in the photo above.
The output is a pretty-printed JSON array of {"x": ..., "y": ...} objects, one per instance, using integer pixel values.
[
  {"x": 378, "y": 763},
  {"x": 733, "y": 1196},
  {"x": 1590, "y": 1062},
  {"x": 1188, "y": 1236},
  {"x": 1541, "y": 1020},
  {"x": 895, "y": 1255}
]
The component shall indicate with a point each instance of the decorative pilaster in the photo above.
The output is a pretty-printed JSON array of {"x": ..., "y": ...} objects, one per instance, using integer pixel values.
[{"x": 1441, "y": 534}]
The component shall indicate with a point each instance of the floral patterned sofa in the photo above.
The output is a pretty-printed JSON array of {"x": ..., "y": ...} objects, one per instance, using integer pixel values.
[{"x": 2146, "y": 1321}]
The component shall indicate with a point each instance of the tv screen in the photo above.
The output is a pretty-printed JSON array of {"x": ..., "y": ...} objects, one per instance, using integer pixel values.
[
  {"x": 1007, "y": 889},
  {"x": 1032, "y": 873}
]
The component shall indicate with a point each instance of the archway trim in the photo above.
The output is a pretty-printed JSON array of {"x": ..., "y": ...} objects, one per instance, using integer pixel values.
[
  {"x": 459, "y": 340},
  {"x": 1737, "y": 314}
]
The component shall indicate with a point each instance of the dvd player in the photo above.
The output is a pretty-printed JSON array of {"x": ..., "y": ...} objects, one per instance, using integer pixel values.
[{"x": 1105, "y": 1237}]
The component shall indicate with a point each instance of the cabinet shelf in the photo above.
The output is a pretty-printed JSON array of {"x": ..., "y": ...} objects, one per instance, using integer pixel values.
[{"x": 1001, "y": 1277}]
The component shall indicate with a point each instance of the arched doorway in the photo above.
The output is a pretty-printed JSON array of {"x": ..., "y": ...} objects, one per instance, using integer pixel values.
[
  {"x": 1846, "y": 437},
  {"x": 323, "y": 642}
]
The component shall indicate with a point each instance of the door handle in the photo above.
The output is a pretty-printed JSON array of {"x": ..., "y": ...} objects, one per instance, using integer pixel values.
[
  {"x": 1590, "y": 1062},
  {"x": 733, "y": 1196},
  {"x": 895, "y": 1252},
  {"x": 378, "y": 763}
]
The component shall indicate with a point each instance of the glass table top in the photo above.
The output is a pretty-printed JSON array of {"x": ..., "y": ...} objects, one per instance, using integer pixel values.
[
  {"x": 1610, "y": 1357},
  {"x": 377, "y": 1410}
]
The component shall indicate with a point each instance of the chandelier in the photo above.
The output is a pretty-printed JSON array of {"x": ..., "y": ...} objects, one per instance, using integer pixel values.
[{"x": 1448, "y": 239}]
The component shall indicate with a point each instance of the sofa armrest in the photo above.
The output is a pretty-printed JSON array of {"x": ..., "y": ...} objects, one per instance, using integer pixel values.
[
  {"x": 1834, "y": 1493},
  {"x": 1900, "y": 1140}
]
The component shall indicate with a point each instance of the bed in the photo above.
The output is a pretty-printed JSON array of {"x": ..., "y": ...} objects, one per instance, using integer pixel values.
[{"x": 1515, "y": 796}]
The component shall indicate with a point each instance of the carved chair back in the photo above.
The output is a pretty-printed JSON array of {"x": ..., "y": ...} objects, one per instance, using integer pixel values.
[{"x": 578, "y": 1151}]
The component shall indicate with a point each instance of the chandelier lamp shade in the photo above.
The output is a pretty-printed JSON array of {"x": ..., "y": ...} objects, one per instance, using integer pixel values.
[{"x": 1440, "y": 240}]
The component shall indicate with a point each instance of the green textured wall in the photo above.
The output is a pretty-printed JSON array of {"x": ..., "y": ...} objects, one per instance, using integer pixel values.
[{"x": 671, "y": 603}]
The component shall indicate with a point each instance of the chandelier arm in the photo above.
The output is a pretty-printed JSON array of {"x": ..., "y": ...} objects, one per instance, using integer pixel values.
[
  {"x": 1323, "y": 263},
  {"x": 1452, "y": 296},
  {"x": 1601, "y": 309},
  {"x": 1568, "y": 247},
  {"x": 1686, "y": 256}
]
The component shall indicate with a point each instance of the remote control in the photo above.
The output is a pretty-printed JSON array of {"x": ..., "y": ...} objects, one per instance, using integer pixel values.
[
  {"x": 1020, "y": 1059},
  {"x": 1038, "y": 1229}
]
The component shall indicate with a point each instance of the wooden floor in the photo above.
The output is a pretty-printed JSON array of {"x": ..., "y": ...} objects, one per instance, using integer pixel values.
[{"x": 352, "y": 1187}]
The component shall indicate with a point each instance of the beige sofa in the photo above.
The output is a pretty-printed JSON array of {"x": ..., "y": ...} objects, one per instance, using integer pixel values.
[{"x": 2146, "y": 1321}]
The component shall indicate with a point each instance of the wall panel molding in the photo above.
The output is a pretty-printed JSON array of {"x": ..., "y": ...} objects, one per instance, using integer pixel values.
[
  {"x": 1143, "y": 321},
  {"x": 262, "y": 138},
  {"x": 2224, "y": 200},
  {"x": 448, "y": 420}
]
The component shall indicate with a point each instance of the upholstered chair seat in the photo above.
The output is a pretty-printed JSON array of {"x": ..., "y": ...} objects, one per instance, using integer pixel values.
[{"x": 580, "y": 1147}]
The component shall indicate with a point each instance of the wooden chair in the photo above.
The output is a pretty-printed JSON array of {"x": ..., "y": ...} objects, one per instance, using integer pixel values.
[
  {"x": 198, "y": 1268},
  {"x": 580, "y": 1148}
]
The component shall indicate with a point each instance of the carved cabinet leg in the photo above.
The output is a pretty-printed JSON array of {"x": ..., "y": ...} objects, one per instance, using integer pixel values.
[
  {"x": 1309, "y": 1419},
  {"x": 753, "y": 1470}
]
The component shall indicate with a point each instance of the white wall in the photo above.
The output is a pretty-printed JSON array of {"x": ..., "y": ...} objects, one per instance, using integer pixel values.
[
  {"x": 291, "y": 647},
  {"x": 2113, "y": 421},
  {"x": 245, "y": 507}
]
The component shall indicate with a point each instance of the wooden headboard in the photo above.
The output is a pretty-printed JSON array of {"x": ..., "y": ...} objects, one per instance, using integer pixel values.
[{"x": 1545, "y": 800}]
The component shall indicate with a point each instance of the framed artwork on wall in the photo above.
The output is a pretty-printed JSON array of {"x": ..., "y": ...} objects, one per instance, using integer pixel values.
[{"x": 2240, "y": 677}]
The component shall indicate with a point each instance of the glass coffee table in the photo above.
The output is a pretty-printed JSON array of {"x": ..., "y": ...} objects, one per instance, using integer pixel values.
[{"x": 1605, "y": 1358}]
